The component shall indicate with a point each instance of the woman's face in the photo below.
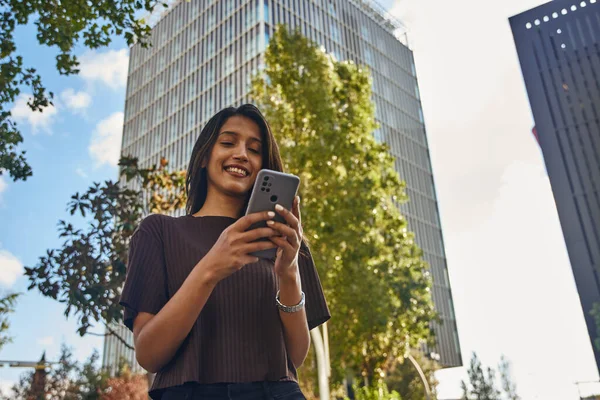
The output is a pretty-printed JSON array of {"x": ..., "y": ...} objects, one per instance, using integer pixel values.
[{"x": 235, "y": 158}]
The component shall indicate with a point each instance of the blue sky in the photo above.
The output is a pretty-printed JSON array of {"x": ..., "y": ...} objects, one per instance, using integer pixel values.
[{"x": 513, "y": 287}]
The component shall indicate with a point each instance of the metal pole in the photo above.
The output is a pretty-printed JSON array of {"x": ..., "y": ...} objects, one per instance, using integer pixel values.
[
  {"x": 422, "y": 375},
  {"x": 317, "y": 340}
]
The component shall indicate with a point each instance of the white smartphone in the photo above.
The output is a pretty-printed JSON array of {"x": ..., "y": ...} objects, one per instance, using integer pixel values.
[{"x": 271, "y": 188}]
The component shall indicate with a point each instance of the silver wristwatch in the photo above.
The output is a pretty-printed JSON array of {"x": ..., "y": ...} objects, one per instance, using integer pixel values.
[{"x": 290, "y": 309}]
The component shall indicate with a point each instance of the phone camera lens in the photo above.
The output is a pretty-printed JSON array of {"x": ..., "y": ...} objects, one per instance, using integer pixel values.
[
  {"x": 266, "y": 178},
  {"x": 273, "y": 198},
  {"x": 265, "y": 184}
]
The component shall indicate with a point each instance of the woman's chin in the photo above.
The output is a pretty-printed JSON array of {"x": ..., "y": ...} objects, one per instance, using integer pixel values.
[{"x": 237, "y": 190}]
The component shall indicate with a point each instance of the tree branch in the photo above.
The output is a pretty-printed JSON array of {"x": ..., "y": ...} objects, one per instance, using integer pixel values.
[{"x": 115, "y": 334}]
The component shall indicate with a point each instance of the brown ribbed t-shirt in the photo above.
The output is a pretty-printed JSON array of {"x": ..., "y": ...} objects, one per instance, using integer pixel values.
[{"x": 238, "y": 336}]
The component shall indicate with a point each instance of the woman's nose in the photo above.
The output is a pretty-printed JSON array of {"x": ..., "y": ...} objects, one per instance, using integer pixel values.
[{"x": 241, "y": 153}]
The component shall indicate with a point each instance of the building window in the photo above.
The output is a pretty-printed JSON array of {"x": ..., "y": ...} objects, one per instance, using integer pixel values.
[
  {"x": 335, "y": 33},
  {"x": 332, "y": 8},
  {"x": 210, "y": 47},
  {"x": 378, "y": 135},
  {"x": 230, "y": 5},
  {"x": 366, "y": 33},
  {"x": 191, "y": 118},
  {"x": 228, "y": 64},
  {"x": 249, "y": 17},
  {"x": 210, "y": 76},
  {"x": 266, "y": 11},
  {"x": 368, "y": 57},
  {"x": 209, "y": 107},
  {"x": 211, "y": 18}
]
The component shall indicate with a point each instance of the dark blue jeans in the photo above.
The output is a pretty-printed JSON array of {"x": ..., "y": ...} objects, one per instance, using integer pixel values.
[{"x": 284, "y": 390}]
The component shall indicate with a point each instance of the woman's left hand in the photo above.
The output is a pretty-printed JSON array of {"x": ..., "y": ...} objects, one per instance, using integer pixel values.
[{"x": 286, "y": 264}]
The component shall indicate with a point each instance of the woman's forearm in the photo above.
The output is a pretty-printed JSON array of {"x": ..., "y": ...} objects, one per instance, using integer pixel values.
[
  {"x": 160, "y": 338},
  {"x": 297, "y": 337}
]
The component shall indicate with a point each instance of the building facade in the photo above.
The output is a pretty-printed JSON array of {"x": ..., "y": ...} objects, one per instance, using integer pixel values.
[
  {"x": 204, "y": 55},
  {"x": 558, "y": 44}
]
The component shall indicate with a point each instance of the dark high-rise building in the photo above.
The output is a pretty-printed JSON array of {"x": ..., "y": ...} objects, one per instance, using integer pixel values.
[
  {"x": 558, "y": 44},
  {"x": 203, "y": 56}
]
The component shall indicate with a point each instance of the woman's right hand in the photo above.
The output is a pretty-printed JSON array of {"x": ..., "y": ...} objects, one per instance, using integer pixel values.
[{"x": 232, "y": 250}]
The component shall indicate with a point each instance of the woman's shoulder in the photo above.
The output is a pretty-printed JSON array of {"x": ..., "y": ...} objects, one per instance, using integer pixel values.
[{"x": 156, "y": 224}]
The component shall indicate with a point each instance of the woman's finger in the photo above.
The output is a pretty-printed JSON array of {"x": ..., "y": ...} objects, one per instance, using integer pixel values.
[
  {"x": 296, "y": 209},
  {"x": 247, "y": 221},
  {"x": 259, "y": 246},
  {"x": 283, "y": 243},
  {"x": 289, "y": 217},
  {"x": 285, "y": 230},
  {"x": 258, "y": 233}
]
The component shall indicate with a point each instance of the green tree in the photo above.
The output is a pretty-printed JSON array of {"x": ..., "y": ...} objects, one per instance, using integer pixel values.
[
  {"x": 508, "y": 386},
  {"x": 7, "y": 306},
  {"x": 377, "y": 391},
  {"x": 88, "y": 271},
  {"x": 374, "y": 277},
  {"x": 63, "y": 24},
  {"x": 481, "y": 386}
]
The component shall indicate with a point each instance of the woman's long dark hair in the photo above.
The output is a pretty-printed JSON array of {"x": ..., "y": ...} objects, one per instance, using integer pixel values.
[{"x": 196, "y": 181}]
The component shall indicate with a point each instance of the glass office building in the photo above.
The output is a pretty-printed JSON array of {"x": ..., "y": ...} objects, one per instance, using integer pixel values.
[
  {"x": 204, "y": 55},
  {"x": 558, "y": 47}
]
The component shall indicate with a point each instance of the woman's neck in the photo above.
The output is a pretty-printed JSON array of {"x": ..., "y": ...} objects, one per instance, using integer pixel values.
[{"x": 221, "y": 205}]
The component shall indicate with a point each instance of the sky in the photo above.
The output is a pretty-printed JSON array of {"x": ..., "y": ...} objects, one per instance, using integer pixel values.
[{"x": 512, "y": 283}]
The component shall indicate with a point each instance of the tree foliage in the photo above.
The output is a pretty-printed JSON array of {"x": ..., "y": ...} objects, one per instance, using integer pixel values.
[
  {"x": 68, "y": 380},
  {"x": 481, "y": 386},
  {"x": 60, "y": 24},
  {"x": 88, "y": 272},
  {"x": 374, "y": 277},
  {"x": 508, "y": 386},
  {"x": 378, "y": 391},
  {"x": 7, "y": 306}
]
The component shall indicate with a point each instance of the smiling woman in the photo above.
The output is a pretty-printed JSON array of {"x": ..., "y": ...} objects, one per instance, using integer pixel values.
[{"x": 204, "y": 312}]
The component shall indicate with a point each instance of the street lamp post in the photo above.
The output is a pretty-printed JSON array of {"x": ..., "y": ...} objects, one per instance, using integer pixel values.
[{"x": 422, "y": 375}]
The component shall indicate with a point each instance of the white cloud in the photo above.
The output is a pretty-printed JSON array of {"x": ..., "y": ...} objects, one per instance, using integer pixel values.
[
  {"x": 81, "y": 173},
  {"x": 105, "y": 146},
  {"x": 36, "y": 119},
  {"x": 76, "y": 101},
  {"x": 11, "y": 268},
  {"x": 109, "y": 67},
  {"x": 46, "y": 341},
  {"x": 3, "y": 185}
]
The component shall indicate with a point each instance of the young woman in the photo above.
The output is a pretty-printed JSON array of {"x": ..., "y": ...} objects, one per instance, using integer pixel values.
[{"x": 210, "y": 319}]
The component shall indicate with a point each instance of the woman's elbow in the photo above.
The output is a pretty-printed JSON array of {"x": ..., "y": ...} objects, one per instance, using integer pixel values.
[
  {"x": 146, "y": 362},
  {"x": 298, "y": 361}
]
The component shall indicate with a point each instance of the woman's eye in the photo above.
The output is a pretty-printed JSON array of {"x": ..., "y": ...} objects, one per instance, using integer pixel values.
[
  {"x": 255, "y": 151},
  {"x": 227, "y": 143}
]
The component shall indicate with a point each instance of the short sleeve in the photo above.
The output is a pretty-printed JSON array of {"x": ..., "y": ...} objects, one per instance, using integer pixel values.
[
  {"x": 317, "y": 311},
  {"x": 145, "y": 288}
]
